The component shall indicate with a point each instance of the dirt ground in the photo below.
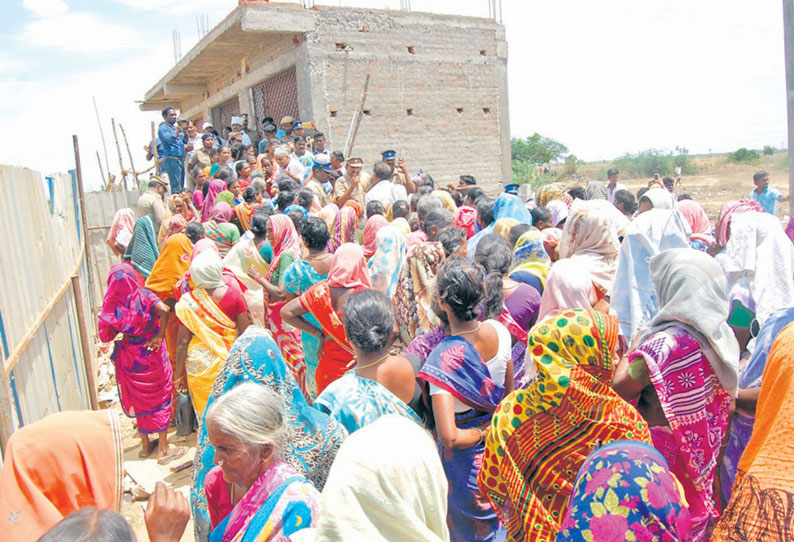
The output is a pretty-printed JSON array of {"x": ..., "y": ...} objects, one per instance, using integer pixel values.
[{"x": 717, "y": 180}]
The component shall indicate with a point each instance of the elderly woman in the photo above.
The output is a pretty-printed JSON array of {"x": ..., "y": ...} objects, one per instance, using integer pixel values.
[
  {"x": 684, "y": 373},
  {"x": 253, "y": 494},
  {"x": 212, "y": 316},
  {"x": 380, "y": 383}
]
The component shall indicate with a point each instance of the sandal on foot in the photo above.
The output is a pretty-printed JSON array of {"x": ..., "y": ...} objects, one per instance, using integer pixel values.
[{"x": 174, "y": 453}]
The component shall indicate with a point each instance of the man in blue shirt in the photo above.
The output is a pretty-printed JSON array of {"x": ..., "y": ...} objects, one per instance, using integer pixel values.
[
  {"x": 173, "y": 140},
  {"x": 767, "y": 197}
]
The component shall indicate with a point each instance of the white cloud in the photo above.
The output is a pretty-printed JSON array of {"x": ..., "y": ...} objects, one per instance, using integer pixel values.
[
  {"x": 79, "y": 32},
  {"x": 46, "y": 8}
]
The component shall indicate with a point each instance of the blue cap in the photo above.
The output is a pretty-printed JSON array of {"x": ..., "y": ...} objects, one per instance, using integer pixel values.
[
  {"x": 389, "y": 155},
  {"x": 512, "y": 189},
  {"x": 298, "y": 125}
]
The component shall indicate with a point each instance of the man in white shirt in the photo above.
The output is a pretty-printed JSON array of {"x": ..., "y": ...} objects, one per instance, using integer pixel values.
[
  {"x": 613, "y": 185},
  {"x": 237, "y": 126},
  {"x": 287, "y": 168},
  {"x": 385, "y": 191}
]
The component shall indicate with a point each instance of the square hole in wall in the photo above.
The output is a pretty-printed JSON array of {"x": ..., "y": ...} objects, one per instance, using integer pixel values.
[
  {"x": 412, "y": 49},
  {"x": 409, "y": 112},
  {"x": 367, "y": 112},
  {"x": 459, "y": 109},
  {"x": 333, "y": 112},
  {"x": 486, "y": 110},
  {"x": 343, "y": 47},
  {"x": 482, "y": 52}
]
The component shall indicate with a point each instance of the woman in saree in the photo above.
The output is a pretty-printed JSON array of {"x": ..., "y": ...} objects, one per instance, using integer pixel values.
[
  {"x": 656, "y": 198},
  {"x": 252, "y": 493},
  {"x": 142, "y": 250},
  {"x": 503, "y": 226},
  {"x": 625, "y": 491},
  {"x": 344, "y": 229},
  {"x": 541, "y": 435},
  {"x": 179, "y": 212},
  {"x": 467, "y": 375},
  {"x": 568, "y": 288},
  {"x": 727, "y": 212},
  {"x": 302, "y": 275},
  {"x": 311, "y": 438},
  {"x": 252, "y": 199},
  {"x": 760, "y": 507},
  {"x": 750, "y": 380},
  {"x": 371, "y": 229},
  {"x": 590, "y": 238},
  {"x": 143, "y": 372},
  {"x": 531, "y": 262},
  {"x": 325, "y": 301},
  {"x": 121, "y": 231},
  {"x": 379, "y": 383},
  {"x": 287, "y": 248},
  {"x": 386, "y": 484},
  {"x": 245, "y": 256},
  {"x": 170, "y": 267},
  {"x": 220, "y": 230},
  {"x": 684, "y": 373},
  {"x": 700, "y": 237},
  {"x": 213, "y": 314},
  {"x": 387, "y": 261},
  {"x": 552, "y": 192},
  {"x": 58, "y": 465},
  {"x": 215, "y": 187}
]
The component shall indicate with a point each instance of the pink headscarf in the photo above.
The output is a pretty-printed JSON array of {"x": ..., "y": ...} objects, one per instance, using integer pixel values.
[
  {"x": 285, "y": 241},
  {"x": 374, "y": 224},
  {"x": 727, "y": 211},
  {"x": 465, "y": 218},
  {"x": 177, "y": 224},
  {"x": 552, "y": 236},
  {"x": 348, "y": 268},
  {"x": 698, "y": 220},
  {"x": 221, "y": 212},
  {"x": 121, "y": 229},
  {"x": 216, "y": 187}
]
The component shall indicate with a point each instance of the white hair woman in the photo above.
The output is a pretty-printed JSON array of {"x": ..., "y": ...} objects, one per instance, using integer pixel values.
[{"x": 252, "y": 488}]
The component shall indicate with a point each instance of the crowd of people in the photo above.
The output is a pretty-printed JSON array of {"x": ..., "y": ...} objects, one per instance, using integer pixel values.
[{"x": 374, "y": 356}]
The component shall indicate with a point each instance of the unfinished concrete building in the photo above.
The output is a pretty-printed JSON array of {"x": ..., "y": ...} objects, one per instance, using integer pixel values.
[{"x": 432, "y": 87}]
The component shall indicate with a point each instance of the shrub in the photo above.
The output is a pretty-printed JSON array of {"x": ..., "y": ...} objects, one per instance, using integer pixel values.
[
  {"x": 743, "y": 155},
  {"x": 647, "y": 163},
  {"x": 769, "y": 150}
]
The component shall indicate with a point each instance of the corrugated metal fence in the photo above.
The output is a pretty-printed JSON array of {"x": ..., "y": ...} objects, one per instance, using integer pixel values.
[{"x": 48, "y": 296}]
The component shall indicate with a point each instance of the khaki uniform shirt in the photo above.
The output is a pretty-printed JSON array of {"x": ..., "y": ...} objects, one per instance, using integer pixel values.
[
  {"x": 319, "y": 192},
  {"x": 344, "y": 182}
]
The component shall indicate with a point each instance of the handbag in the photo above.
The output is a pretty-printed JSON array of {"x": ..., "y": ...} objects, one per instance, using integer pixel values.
[{"x": 186, "y": 421}]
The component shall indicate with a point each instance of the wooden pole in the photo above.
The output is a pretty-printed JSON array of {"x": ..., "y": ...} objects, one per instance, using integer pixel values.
[
  {"x": 7, "y": 418},
  {"x": 154, "y": 152},
  {"x": 118, "y": 148},
  {"x": 788, "y": 39},
  {"x": 102, "y": 172},
  {"x": 129, "y": 152},
  {"x": 88, "y": 352},
  {"x": 102, "y": 135},
  {"x": 89, "y": 260}
]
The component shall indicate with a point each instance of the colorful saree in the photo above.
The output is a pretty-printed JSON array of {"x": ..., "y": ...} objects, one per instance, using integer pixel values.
[
  {"x": 625, "y": 491},
  {"x": 371, "y": 229},
  {"x": 356, "y": 401},
  {"x": 216, "y": 187},
  {"x": 312, "y": 438},
  {"x": 142, "y": 251},
  {"x": 761, "y": 506},
  {"x": 530, "y": 257},
  {"x": 280, "y": 503},
  {"x": 387, "y": 260},
  {"x": 413, "y": 296},
  {"x": 456, "y": 367},
  {"x": 240, "y": 258},
  {"x": 144, "y": 377},
  {"x": 58, "y": 465},
  {"x": 344, "y": 229},
  {"x": 696, "y": 406},
  {"x": 286, "y": 243},
  {"x": 750, "y": 376},
  {"x": 298, "y": 278},
  {"x": 541, "y": 435},
  {"x": 213, "y": 335}
]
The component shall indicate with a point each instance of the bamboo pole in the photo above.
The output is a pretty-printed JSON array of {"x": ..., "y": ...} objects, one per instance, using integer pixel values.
[
  {"x": 88, "y": 352},
  {"x": 102, "y": 172},
  {"x": 129, "y": 152},
  {"x": 102, "y": 135},
  {"x": 154, "y": 152},
  {"x": 89, "y": 259},
  {"x": 118, "y": 148}
]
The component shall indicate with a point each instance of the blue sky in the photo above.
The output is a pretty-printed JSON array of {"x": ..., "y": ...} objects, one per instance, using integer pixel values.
[{"x": 602, "y": 77}]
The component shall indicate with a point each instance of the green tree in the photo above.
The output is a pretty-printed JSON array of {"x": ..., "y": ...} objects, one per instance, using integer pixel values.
[
  {"x": 537, "y": 149},
  {"x": 769, "y": 150}
]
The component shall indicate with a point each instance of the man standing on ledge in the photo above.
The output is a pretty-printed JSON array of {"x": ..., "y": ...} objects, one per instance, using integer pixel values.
[
  {"x": 173, "y": 141},
  {"x": 399, "y": 171}
]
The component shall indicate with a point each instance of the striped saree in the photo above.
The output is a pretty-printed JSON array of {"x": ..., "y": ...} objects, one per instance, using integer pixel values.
[{"x": 541, "y": 435}]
